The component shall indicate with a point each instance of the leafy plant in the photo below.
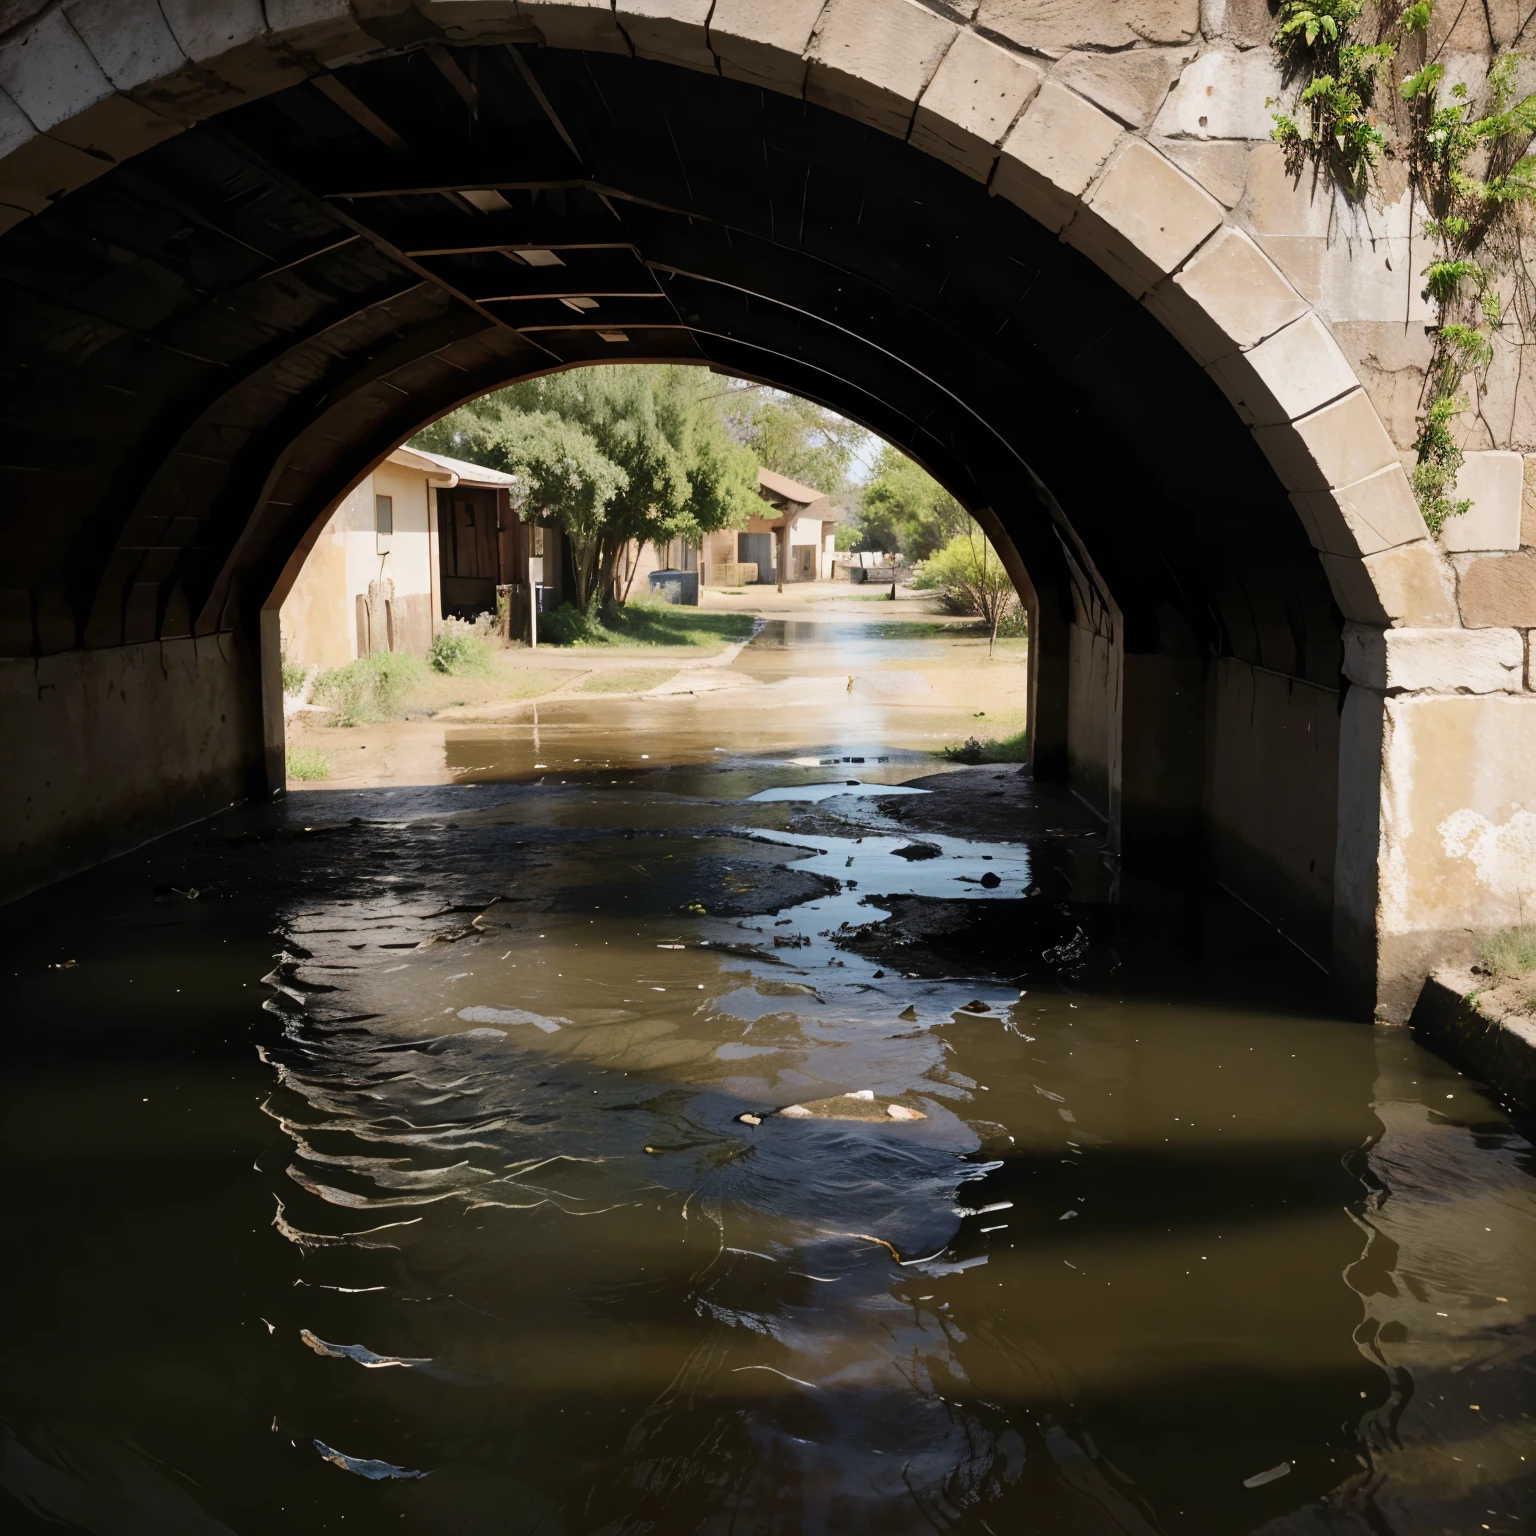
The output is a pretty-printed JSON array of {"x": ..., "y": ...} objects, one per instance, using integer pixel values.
[
  {"x": 1474, "y": 172},
  {"x": 1511, "y": 953},
  {"x": 1333, "y": 122},
  {"x": 308, "y": 763},
  {"x": 1010, "y": 749},
  {"x": 293, "y": 672},
  {"x": 973, "y": 580},
  {"x": 459, "y": 647},
  {"x": 370, "y": 689}
]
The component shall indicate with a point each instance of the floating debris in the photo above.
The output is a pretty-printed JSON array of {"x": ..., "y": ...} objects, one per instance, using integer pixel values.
[
  {"x": 744, "y": 1120},
  {"x": 859, "y": 1105},
  {"x": 1273, "y": 1475},
  {"x": 363, "y": 1466}
]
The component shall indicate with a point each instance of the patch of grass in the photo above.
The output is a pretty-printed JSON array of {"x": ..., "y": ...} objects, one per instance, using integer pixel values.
[
  {"x": 631, "y": 680},
  {"x": 308, "y": 763},
  {"x": 371, "y": 689},
  {"x": 1510, "y": 953},
  {"x": 1011, "y": 749},
  {"x": 644, "y": 625},
  {"x": 458, "y": 648}
]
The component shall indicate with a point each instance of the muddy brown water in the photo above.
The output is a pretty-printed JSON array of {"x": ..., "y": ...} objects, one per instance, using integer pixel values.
[{"x": 377, "y": 1165}]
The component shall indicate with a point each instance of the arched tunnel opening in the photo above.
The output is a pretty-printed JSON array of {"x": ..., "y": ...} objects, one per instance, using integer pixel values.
[
  {"x": 215, "y": 339},
  {"x": 721, "y": 1140}
]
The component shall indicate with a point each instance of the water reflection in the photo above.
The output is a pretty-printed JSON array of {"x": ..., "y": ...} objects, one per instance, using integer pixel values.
[{"x": 479, "y": 1241}]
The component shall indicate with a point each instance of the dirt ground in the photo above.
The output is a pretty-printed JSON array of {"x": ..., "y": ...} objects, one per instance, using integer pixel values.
[{"x": 874, "y": 672}]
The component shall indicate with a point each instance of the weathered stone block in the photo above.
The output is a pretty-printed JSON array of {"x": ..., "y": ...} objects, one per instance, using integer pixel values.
[
  {"x": 1496, "y": 590},
  {"x": 971, "y": 102},
  {"x": 1249, "y": 23},
  {"x": 1436, "y": 660},
  {"x": 1405, "y": 585},
  {"x": 117, "y": 127},
  {"x": 1053, "y": 154},
  {"x": 1528, "y": 502},
  {"x": 1338, "y": 445},
  {"x": 1495, "y": 483},
  {"x": 1219, "y": 165},
  {"x": 576, "y": 24},
  {"x": 203, "y": 31},
  {"x": 670, "y": 30},
  {"x": 49, "y": 73},
  {"x": 1143, "y": 218},
  {"x": 1376, "y": 513},
  {"x": 1228, "y": 296},
  {"x": 1130, "y": 86},
  {"x": 872, "y": 59},
  {"x": 480, "y": 21},
  {"x": 1056, "y": 26},
  {"x": 1223, "y": 95},
  {"x": 764, "y": 41},
  {"x": 1294, "y": 372},
  {"x": 129, "y": 39}
]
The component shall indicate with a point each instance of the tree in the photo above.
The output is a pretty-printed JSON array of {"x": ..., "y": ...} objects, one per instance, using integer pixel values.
[
  {"x": 796, "y": 437},
  {"x": 611, "y": 453},
  {"x": 905, "y": 509},
  {"x": 974, "y": 579}
]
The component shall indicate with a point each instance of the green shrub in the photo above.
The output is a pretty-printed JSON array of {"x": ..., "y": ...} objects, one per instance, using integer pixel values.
[
  {"x": 459, "y": 647},
  {"x": 568, "y": 625},
  {"x": 369, "y": 689},
  {"x": 1011, "y": 749},
  {"x": 294, "y": 674},
  {"x": 308, "y": 763},
  {"x": 1510, "y": 953}
]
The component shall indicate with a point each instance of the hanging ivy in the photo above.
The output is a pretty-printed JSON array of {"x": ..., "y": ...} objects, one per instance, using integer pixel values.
[{"x": 1471, "y": 169}]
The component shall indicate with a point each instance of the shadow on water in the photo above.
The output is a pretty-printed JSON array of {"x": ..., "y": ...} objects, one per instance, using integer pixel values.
[{"x": 378, "y": 1165}]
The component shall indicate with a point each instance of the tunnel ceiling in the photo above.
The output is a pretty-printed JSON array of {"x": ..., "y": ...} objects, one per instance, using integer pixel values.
[{"x": 206, "y": 346}]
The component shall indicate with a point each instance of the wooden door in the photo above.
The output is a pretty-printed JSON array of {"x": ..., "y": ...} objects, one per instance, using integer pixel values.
[{"x": 468, "y": 550}]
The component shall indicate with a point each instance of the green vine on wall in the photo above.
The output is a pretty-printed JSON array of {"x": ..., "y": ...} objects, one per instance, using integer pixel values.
[{"x": 1469, "y": 166}]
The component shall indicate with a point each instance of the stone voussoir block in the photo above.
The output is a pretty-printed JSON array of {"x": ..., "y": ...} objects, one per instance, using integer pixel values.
[
  {"x": 588, "y": 24},
  {"x": 973, "y": 99},
  {"x": 49, "y": 73},
  {"x": 1377, "y": 513},
  {"x": 1143, "y": 218},
  {"x": 1405, "y": 586},
  {"x": 872, "y": 59},
  {"x": 1434, "y": 660},
  {"x": 764, "y": 41},
  {"x": 1052, "y": 155},
  {"x": 673, "y": 31},
  {"x": 129, "y": 39},
  {"x": 1342, "y": 443},
  {"x": 1227, "y": 297},
  {"x": 1494, "y": 482},
  {"x": 1290, "y": 374}
]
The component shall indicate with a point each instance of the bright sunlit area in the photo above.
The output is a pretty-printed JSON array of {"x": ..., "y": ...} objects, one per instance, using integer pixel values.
[{"x": 678, "y": 561}]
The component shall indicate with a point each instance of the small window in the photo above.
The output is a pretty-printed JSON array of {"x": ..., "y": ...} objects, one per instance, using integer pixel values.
[
  {"x": 384, "y": 514},
  {"x": 538, "y": 542}
]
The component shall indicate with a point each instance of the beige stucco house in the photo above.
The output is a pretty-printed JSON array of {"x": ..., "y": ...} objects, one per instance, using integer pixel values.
[
  {"x": 421, "y": 538},
  {"x": 796, "y": 531}
]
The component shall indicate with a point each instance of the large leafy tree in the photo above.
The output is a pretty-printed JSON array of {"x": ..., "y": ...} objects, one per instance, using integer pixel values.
[
  {"x": 905, "y": 509},
  {"x": 796, "y": 437},
  {"x": 611, "y": 454}
]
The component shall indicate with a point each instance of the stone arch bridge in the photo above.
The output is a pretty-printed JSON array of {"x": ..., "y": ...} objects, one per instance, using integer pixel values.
[{"x": 1045, "y": 246}]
